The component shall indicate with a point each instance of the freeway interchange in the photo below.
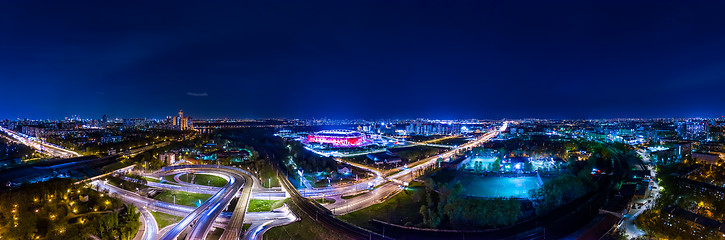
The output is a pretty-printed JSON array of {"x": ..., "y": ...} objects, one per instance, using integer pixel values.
[{"x": 198, "y": 222}]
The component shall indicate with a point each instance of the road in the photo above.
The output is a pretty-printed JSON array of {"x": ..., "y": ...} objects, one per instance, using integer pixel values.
[
  {"x": 257, "y": 193},
  {"x": 279, "y": 217},
  {"x": 210, "y": 214},
  {"x": 40, "y": 145},
  {"x": 204, "y": 216},
  {"x": 391, "y": 184},
  {"x": 234, "y": 228},
  {"x": 628, "y": 224},
  {"x": 149, "y": 223}
]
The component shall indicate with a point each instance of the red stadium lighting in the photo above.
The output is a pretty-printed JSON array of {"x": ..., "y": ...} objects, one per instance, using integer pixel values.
[{"x": 338, "y": 138}]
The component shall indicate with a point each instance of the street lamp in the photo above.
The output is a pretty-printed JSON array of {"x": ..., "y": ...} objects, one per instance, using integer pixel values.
[{"x": 269, "y": 197}]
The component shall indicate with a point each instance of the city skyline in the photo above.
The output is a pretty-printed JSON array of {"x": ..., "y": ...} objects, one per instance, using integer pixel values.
[
  {"x": 410, "y": 120},
  {"x": 362, "y": 60}
]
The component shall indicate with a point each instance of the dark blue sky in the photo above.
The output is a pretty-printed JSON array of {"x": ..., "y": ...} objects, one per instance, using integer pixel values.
[{"x": 369, "y": 59}]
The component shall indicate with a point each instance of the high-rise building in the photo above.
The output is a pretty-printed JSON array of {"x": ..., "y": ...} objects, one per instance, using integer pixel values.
[
  {"x": 182, "y": 123},
  {"x": 168, "y": 157},
  {"x": 693, "y": 130}
]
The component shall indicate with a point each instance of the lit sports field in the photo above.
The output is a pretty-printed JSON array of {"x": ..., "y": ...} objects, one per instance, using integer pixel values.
[{"x": 497, "y": 186}]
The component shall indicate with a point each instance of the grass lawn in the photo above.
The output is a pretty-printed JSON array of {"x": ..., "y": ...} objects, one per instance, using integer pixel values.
[
  {"x": 270, "y": 181},
  {"x": 257, "y": 205},
  {"x": 400, "y": 209},
  {"x": 183, "y": 198},
  {"x": 169, "y": 178},
  {"x": 306, "y": 228},
  {"x": 205, "y": 179},
  {"x": 151, "y": 179},
  {"x": 163, "y": 219},
  {"x": 267, "y": 173},
  {"x": 416, "y": 184},
  {"x": 354, "y": 195}
]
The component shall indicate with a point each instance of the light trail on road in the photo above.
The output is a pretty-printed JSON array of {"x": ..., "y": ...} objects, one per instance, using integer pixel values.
[
  {"x": 386, "y": 185},
  {"x": 40, "y": 145}
]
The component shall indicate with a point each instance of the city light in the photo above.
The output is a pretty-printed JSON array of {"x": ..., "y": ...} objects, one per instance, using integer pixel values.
[{"x": 338, "y": 138}]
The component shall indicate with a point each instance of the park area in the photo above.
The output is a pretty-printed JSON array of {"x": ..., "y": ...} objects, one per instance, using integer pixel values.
[
  {"x": 401, "y": 209},
  {"x": 517, "y": 187},
  {"x": 258, "y": 205},
  {"x": 182, "y": 198},
  {"x": 199, "y": 179},
  {"x": 477, "y": 185}
]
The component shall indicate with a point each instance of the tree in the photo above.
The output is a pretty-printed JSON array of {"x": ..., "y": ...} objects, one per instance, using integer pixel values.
[
  {"x": 496, "y": 165},
  {"x": 528, "y": 166}
]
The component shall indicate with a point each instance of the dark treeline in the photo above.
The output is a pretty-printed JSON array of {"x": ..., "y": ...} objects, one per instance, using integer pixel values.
[
  {"x": 261, "y": 140},
  {"x": 445, "y": 209},
  {"x": 131, "y": 138},
  {"x": 278, "y": 150},
  {"x": 558, "y": 191},
  {"x": 12, "y": 150},
  {"x": 416, "y": 153},
  {"x": 578, "y": 182},
  {"x": 310, "y": 161},
  {"x": 151, "y": 157}
]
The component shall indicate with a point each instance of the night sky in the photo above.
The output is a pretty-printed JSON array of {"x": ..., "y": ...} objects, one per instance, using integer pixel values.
[{"x": 362, "y": 59}]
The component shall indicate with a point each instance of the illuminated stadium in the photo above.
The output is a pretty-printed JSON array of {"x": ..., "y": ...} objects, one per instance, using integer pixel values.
[{"x": 338, "y": 138}]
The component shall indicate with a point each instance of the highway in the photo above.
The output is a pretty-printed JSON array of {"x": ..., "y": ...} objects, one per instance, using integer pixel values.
[
  {"x": 140, "y": 201},
  {"x": 280, "y": 216},
  {"x": 149, "y": 223},
  {"x": 233, "y": 229},
  {"x": 210, "y": 214},
  {"x": 391, "y": 184},
  {"x": 198, "y": 221},
  {"x": 40, "y": 145},
  {"x": 204, "y": 216},
  {"x": 231, "y": 222},
  {"x": 266, "y": 194}
]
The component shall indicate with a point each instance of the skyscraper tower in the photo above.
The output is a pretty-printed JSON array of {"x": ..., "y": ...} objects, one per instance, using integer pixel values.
[{"x": 181, "y": 121}]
